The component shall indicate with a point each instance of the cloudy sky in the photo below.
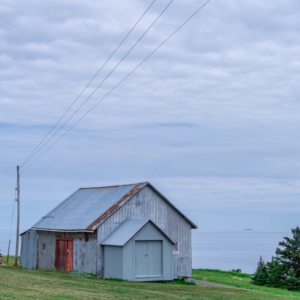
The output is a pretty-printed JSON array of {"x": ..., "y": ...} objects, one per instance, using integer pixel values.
[{"x": 210, "y": 119}]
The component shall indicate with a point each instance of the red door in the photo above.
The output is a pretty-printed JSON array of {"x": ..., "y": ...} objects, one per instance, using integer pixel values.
[{"x": 64, "y": 254}]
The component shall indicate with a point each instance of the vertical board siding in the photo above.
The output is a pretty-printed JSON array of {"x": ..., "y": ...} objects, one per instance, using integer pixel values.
[
  {"x": 128, "y": 258},
  {"x": 85, "y": 256},
  {"x": 148, "y": 204},
  {"x": 113, "y": 263},
  {"x": 46, "y": 258},
  {"x": 84, "y": 252},
  {"x": 28, "y": 249}
]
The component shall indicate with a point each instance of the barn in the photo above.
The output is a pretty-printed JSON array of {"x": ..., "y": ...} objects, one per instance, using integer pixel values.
[{"x": 130, "y": 232}]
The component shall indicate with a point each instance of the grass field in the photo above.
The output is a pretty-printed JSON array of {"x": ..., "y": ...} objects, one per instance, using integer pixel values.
[
  {"x": 19, "y": 283},
  {"x": 240, "y": 280}
]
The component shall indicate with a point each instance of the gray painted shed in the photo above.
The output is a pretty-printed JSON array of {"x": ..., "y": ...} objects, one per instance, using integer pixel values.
[
  {"x": 138, "y": 250},
  {"x": 75, "y": 234}
]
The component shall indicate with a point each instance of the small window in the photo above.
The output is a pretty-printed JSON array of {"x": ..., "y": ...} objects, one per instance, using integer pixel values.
[
  {"x": 175, "y": 248},
  {"x": 44, "y": 246},
  {"x": 86, "y": 237}
]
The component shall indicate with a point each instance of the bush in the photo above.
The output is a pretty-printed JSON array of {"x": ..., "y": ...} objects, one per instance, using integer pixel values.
[
  {"x": 292, "y": 283},
  {"x": 261, "y": 274},
  {"x": 276, "y": 274}
]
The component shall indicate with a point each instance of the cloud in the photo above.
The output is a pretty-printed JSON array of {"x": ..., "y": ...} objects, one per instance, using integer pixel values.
[{"x": 211, "y": 119}]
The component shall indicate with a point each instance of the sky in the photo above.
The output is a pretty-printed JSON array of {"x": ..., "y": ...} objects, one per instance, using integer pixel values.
[{"x": 211, "y": 119}]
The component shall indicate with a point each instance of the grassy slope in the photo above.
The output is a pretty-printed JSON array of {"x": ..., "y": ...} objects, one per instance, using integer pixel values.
[
  {"x": 239, "y": 280},
  {"x": 19, "y": 283}
]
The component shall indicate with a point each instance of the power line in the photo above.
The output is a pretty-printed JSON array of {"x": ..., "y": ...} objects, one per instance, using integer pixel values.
[
  {"x": 34, "y": 150},
  {"x": 103, "y": 79},
  {"x": 188, "y": 19}
]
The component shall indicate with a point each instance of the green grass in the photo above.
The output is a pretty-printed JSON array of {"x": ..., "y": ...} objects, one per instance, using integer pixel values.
[
  {"x": 240, "y": 280},
  {"x": 20, "y": 283},
  {"x": 11, "y": 260}
]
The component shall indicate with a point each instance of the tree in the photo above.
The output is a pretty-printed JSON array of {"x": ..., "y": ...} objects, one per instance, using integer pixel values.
[
  {"x": 292, "y": 283},
  {"x": 276, "y": 273},
  {"x": 289, "y": 255},
  {"x": 284, "y": 269},
  {"x": 261, "y": 274}
]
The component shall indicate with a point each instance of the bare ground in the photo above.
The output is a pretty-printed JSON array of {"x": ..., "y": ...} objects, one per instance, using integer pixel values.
[{"x": 213, "y": 284}]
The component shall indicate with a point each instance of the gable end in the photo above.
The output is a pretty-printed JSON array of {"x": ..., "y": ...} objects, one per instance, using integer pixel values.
[{"x": 126, "y": 198}]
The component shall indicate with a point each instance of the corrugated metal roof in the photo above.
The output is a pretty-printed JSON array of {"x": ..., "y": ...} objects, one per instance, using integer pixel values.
[
  {"x": 87, "y": 208},
  {"x": 79, "y": 211},
  {"x": 127, "y": 230}
]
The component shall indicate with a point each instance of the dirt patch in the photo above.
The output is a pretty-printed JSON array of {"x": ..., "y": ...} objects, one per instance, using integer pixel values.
[{"x": 213, "y": 284}]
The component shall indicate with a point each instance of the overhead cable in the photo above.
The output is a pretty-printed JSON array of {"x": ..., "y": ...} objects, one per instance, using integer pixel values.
[
  {"x": 101, "y": 81},
  {"x": 35, "y": 150},
  {"x": 188, "y": 19}
]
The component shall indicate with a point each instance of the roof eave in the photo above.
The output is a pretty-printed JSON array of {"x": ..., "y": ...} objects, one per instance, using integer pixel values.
[{"x": 63, "y": 230}]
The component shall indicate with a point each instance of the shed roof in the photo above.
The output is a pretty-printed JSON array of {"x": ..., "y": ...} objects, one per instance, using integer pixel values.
[
  {"x": 87, "y": 208},
  {"x": 127, "y": 230}
]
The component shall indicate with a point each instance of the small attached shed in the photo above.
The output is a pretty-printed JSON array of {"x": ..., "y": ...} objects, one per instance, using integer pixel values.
[
  {"x": 138, "y": 251},
  {"x": 128, "y": 231}
]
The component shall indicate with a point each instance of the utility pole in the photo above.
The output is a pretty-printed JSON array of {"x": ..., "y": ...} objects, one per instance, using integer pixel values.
[{"x": 18, "y": 218}]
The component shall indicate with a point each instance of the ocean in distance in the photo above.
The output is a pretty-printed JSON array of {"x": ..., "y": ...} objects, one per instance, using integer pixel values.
[
  {"x": 234, "y": 250},
  {"x": 215, "y": 249}
]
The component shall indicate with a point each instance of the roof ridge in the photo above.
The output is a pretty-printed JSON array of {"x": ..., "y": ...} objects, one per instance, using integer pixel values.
[{"x": 112, "y": 186}]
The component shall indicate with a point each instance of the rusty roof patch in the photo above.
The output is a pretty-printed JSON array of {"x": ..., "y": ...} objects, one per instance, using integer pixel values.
[{"x": 115, "y": 206}]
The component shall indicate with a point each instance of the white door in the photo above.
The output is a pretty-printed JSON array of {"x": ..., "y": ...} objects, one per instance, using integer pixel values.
[{"x": 148, "y": 258}]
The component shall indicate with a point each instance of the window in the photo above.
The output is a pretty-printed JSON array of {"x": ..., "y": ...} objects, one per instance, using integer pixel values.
[
  {"x": 175, "y": 248},
  {"x": 44, "y": 246}
]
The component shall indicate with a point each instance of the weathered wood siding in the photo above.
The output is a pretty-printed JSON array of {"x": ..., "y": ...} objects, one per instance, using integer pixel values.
[
  {"x": 85, "y": 249},
  {"x": 28, "y": 249},
  {"x": 45, "y": 258},
  {"x": 148, "y": 204},
  {"x": 85, "y": 256}
]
